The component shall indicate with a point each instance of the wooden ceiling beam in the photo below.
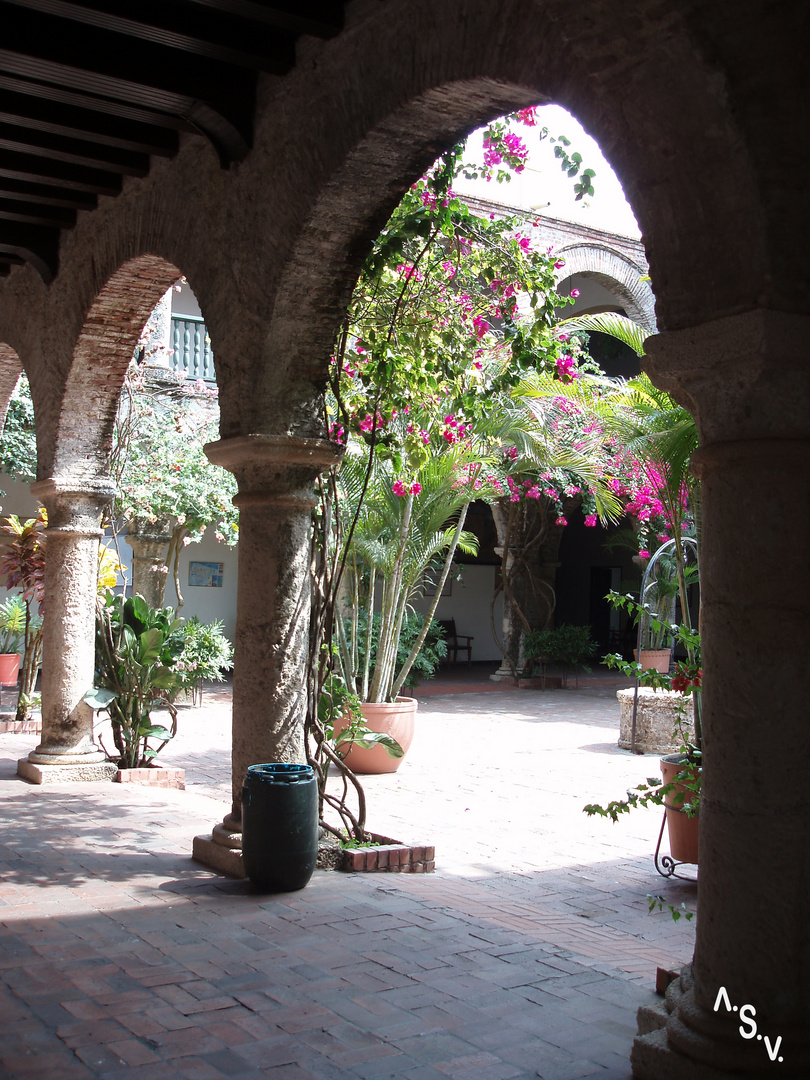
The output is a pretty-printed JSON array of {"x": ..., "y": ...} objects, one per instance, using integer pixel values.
[
  {"x": 216, "y": 98},
  {"x": 75, "y": 151},
  {"x": 46, "y": 194},
  {"x": 56, "y": 118},
  {"x": 320, "y": 18},
  {"x": 207, "y": 32},
  {"x": 36, "y": 214},
  {"x": 59, "y": 173}
]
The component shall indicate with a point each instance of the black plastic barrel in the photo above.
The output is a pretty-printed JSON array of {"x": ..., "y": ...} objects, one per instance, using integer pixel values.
[{"x": 279, "y": 826}]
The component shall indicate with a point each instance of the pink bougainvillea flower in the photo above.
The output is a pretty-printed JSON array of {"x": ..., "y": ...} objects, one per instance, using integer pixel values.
[
  {"x": 561, "y": 520},
  {"x": 591, "y": 520},
  {"x": 481, "y": 326},
  {"x": 559, "y": 264},
  {"x": 399, "y": 488},
  {"x": 575, "y": 293},
  {"x": 415, "y": 488},
  {"x": 644, "y": 554}
]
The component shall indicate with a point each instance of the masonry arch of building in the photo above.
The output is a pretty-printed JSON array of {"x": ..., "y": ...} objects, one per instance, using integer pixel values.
[
  {"x": 617, "y": 274},
  {"x": 697, "y": 109},
  {"x": 10, "y": 372}
]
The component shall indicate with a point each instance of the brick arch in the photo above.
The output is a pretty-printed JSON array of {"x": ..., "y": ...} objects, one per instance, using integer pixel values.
[
  {"x": 10, "y": 371},
  {"x": 78, "y": 448},
  {"x": 431, "y": 72},
  {"x": 619, "y": 274}
]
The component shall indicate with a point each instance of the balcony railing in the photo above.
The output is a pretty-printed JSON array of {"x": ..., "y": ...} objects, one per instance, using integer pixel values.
[{"x": 191, "y": 348}]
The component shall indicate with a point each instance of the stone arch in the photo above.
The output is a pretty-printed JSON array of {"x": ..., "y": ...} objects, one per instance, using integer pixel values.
[
  {"x": 10, "y": 371},
  {"x": 439, "y": 82},
  {"x": 80, "y": 445},
  {"x": 617, "y": 273}
]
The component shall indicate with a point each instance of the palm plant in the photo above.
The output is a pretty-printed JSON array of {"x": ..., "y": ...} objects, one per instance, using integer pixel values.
[
  {"x": 23, "y": 566},
  {"x": 397, "y": 539},
  {"x": 12, "y": 624}
]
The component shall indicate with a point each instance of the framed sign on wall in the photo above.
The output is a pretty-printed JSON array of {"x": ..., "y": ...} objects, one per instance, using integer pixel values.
[{"x": 206, "y": 575}]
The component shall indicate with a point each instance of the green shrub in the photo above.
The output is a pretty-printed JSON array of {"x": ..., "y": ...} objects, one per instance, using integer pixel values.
[{"x": 567, "y": 645}]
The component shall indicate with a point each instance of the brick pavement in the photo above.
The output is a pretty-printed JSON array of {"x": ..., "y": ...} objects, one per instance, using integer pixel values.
[{"x": 525, "y": 954}]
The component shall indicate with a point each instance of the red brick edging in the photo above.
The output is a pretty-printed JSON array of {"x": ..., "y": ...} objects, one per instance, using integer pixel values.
[
  {"x": 23, "y": 727},
  {"x": 391, "y": 857},
  {"x": 156, "y": 776}
]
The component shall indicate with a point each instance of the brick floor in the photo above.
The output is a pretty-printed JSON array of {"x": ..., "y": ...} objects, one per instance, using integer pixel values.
[{"x": 525, "y": 954}]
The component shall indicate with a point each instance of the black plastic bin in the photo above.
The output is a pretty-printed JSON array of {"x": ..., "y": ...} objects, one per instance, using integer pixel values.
[{"x": 279, "y": 826}]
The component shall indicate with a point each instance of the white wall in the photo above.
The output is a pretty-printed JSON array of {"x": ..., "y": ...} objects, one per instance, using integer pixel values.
[
  {"x": 207, "y": 603},
  {"x": 469, "y": 605}
]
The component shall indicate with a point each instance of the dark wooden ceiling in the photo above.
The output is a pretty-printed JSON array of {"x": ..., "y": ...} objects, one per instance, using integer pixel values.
[{"x": 88, "y": 91}]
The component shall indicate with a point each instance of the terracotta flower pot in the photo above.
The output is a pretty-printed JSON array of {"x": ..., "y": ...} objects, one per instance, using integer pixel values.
[
  {"x": 389, "y": 718},
  {"x": 9, "y": 669},
  {"x": 681, "y": 828},
  {"x": 657, "y": 659}
]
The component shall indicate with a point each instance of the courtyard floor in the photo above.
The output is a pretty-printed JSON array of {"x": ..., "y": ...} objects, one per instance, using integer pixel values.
[{"x": 525, "y": 954}]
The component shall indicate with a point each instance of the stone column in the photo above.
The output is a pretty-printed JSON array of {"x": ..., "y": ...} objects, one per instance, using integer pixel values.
[
  {"x": 149, "y": 569},
  {"x": 536, "y": 539},
  {"x": 67, "y": 751},
  {"x": 275, "y": 475},
  {"x": 748, "y": 384}
]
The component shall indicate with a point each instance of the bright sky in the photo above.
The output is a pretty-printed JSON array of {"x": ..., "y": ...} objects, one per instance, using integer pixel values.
[{"x": 543, "y": 185}]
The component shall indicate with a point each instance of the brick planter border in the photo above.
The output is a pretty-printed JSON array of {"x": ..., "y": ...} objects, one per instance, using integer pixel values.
[
  {"x": 153, "y": 777},
  {"x": 25, "y": 727},
  {"x": 391, "y": 857}
]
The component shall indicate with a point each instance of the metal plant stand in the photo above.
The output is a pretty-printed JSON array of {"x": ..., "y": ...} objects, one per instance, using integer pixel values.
[{"x": 665, "y": 865}]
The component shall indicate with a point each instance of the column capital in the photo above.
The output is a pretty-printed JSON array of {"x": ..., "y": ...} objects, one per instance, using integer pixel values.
[
  {"x": 273, "y": 468},
  {"x": 74, "y": 506},
  {"x": 742, "y": 377}
]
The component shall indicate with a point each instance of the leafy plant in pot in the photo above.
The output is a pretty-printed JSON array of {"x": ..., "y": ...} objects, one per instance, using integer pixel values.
[
  {"x": 205, "y": 653},
  {"x": 12, "y": 638},
  {"x": 23, "y": 567},
  {"x": 136, "y": 651},
  {"x": 569, "y": 646}
]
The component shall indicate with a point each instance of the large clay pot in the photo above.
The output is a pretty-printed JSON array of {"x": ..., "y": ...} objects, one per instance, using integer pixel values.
[
  {"x": 390, "y": 718},
  {"x": 9, "y": 669},
  {"x": 657, "y": 659},
  {"x": 682, "y": 829}
]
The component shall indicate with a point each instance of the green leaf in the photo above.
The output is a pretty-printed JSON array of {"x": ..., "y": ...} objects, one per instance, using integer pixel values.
[
  {"x": 154, "y": 731},
  {"x": 99, "y": 697}
]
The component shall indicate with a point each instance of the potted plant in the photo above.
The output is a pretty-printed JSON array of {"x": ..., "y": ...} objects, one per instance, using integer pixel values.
[
  {"x": 678, "y": 790},
  {"x": 137, "y": 648},
  {"x": 23, "y": 567},
  {"x": 206, "y": 651},
  {"x": 566, "y": 645},
  {"x": 400, "y": 533},
  {"x": 12, "y": 638}
]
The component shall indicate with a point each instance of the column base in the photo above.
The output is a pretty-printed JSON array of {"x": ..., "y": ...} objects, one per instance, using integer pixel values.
[
  {"x": 43, "y": 756},
  {"x": 222, "y": 850},
  {"x": 36, "y": 773},
  {"x": 678, "y": 1041}
]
